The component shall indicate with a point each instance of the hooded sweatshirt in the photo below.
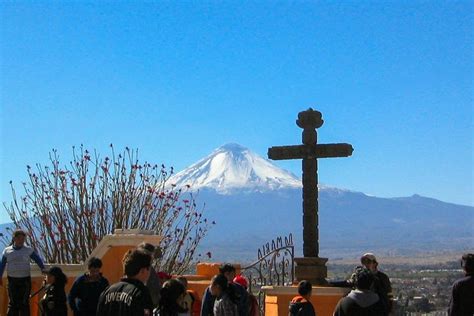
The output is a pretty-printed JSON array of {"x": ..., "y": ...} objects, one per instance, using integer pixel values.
[
  {"x": 299, "y": 306},
  {"x": 359, "y": 303}
]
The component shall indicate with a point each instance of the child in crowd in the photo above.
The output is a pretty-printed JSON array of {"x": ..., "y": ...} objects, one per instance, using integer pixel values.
[
  {"x": 300, "y": 305},
  {"x": 171, "y": 299},
  {"x": 191, "y": 300}
]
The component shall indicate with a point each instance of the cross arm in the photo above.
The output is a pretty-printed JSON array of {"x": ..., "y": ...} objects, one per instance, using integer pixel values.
[{"x": 310, "y": 151}]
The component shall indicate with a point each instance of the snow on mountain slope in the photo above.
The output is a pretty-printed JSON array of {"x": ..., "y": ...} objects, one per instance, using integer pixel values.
[{"x": 232, "y": 168}]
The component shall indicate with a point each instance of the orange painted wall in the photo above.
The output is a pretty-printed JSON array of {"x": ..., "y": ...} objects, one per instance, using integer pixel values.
[
  {"x": 112, "y": 263},
  {"x": 111, "y": 269},
  {"x": 278, "y": 304},
  {"x": 36, "y": 283}
]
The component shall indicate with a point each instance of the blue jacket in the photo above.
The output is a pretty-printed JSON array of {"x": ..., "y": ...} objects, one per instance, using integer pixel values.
[{"x": 84, "y": 295}]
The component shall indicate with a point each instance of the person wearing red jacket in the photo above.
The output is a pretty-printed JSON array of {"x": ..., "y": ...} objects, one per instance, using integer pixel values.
[{"x": 254, "y": 309}]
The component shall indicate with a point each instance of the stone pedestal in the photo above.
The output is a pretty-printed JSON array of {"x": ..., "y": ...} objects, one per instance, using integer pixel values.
[{"x": 312, "y": 269}]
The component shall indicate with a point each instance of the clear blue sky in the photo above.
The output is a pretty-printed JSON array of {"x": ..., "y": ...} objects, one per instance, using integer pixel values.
[{"x": 178, "y": 79}]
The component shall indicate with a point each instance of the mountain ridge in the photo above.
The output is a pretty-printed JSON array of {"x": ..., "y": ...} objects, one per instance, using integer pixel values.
[
  {"x": 350, "y": 221},
  {"x": 231, "y": 168},
  {"x": 247, "y": 181},
  {"x": 253, "y": 211}
]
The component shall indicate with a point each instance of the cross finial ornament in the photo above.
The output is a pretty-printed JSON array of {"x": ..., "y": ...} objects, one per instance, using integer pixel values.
[
  {"x": 309, "y": 119},
  {"x": 311, "y": 267}
]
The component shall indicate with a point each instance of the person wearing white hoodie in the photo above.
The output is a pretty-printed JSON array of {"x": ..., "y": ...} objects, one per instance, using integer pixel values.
[{"x": 361, "y": 301}]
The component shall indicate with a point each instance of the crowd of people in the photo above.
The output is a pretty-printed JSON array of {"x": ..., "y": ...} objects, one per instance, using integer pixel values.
[{"x": 143, "y": 291}]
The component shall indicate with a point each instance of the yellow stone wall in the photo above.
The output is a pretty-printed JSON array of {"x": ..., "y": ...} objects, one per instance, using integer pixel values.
[{"x": 324, "y": 299}]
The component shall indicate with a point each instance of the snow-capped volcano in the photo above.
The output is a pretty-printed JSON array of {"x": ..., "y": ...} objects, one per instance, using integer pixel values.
[{"x": 233, "y": 167}]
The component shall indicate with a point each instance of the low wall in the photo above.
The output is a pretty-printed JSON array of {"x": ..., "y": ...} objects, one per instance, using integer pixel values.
[
  {"x": 71, "y": 270},
  {"x": 324, "y": 299},
  {"x": 110, "y": 250},
  {"x": 277, "y": 299},
  {"x": 204, "y": 273}
]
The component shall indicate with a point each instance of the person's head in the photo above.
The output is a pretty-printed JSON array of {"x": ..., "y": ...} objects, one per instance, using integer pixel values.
[
  {"x": 362, "y": 278},
  {"x": 183, "y": 280},
  {"x": 136, "y": 265},
  {"x": 19, "y": 237},
  {"x": 154, "y": 252},
  {"x": 56, "y": 276},
  {"x": 94, "y": 265},
  {"x": 369, "y": 261},
  {"x": 240, "y": 279},
  {"x": 305, "y": 289},
  {"x": 219, "y": 284},
  {"x": 171, "y": 294},
  {"x": 228, "y": 271},
  {"x": 467, "y": 262}
]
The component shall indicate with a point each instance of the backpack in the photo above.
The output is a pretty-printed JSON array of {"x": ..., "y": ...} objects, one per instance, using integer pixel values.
[{"x": 299, "y": 306}]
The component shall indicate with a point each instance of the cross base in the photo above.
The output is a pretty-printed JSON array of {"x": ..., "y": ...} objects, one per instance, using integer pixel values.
[{"x": 312, "y": 269}]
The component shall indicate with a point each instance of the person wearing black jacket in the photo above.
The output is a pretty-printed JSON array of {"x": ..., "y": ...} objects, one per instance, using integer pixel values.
[
  {"x": 130, "y": 296},
  {"x": 153, "y": 283},
  {"x": 381, "y": 284},
  {"x": 53, "y": 302},
  {"x": 462, "y": 296},
  {"x": 84, "y": 294},
  {"x": 300, "y": 305}
]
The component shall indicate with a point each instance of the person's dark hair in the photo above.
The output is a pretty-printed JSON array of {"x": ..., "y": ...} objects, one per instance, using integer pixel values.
[
  {"x": 304, "y": 288},
  {"x": 183, "y": 280},
  {"x": 60, "y": 279},
  {"x": 147, "y": 247},
  {"x": 94, "y": 262},
  {"x": 169, "y": 293},
  {"x": 362, "y": 278},
  {"x": 134, "y": 261},
  {"x": 226, "y": 267},
  {"x": 467, "y": 262},
  {"x": 19, "y": 232},
  {"x": 16, "y": 233},
  {"x": 221, "y": 281}
]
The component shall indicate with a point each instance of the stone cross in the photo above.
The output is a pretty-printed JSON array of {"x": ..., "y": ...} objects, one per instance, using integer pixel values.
[{"x": 310, "y": 151}]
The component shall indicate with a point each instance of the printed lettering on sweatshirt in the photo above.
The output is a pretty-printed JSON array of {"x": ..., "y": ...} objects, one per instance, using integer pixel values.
[{"x": 120, "y": 297}]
